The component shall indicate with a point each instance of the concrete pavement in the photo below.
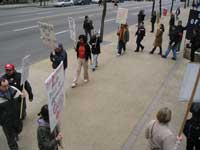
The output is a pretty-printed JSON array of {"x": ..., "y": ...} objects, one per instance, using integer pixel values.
[{"x": 111, "y": 111}]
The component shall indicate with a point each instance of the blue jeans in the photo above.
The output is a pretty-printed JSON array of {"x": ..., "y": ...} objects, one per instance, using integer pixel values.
[
  {"x": 121, "y": 45},
  {"x": 95, "y": 62},
  {"x": 174, "y": 48}
]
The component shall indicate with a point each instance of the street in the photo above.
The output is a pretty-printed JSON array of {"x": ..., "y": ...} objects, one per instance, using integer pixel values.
[{"x": 19, "y": 33}]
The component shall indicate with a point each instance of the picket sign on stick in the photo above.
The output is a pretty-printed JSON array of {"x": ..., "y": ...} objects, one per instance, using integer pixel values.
[
  {"x": 24, "y": 77},
  {"x": 189, "y": 103}
]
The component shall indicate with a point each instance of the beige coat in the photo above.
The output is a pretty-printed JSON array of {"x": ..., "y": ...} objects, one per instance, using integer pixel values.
[
  {"x": 160, "y": 136},
  {"x": 158, "y": 38}
]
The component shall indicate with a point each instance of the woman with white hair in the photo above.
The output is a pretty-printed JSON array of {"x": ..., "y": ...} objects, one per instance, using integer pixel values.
[{"x": 158, "y": 134}]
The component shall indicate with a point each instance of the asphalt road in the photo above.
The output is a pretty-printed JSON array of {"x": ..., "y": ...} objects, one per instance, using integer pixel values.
[{"x": 19, "y": 33}]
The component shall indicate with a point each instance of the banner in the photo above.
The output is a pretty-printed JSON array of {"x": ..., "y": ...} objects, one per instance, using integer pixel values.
[
  {"x": 193, "y": 21},
  {"x": 188, "y": 83},
  {"x": 122, "y": 14},
  {"x": 55, "y": 91},
  {"x": 72, "y": 28},
  {"x": 47, "y": 35},
  {"x": 25, "y": 69}
]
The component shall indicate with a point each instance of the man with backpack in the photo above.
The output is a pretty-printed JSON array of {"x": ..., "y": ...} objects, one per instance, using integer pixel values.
[{"x": 88, "y": 26}]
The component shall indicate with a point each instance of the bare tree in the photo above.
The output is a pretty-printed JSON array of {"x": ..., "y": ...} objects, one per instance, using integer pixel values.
[
  {"x": 153, "y": 7},
  {"x": 160, "y": 6},
  {"x": 102, "y": 19},
  {"x": 172, "y": 5}
]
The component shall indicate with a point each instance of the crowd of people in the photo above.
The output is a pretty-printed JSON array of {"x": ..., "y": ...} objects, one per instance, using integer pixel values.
[{"x": 160, "y": 137}]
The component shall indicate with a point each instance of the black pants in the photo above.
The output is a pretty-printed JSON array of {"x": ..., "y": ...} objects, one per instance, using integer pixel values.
[
  {"x": 138, "y": 42},
  {"x": 192, "y": 54},
  {"x": 10, "y": 136},
  {"x": 88, "y": 32},
  {"x": 191, "y": 144},
  {"x": 152, "y": 51},
  {"x": 121, "y": 45},
  {"x": 23, "y": 108},
  {"x": 152, "y": 26}
]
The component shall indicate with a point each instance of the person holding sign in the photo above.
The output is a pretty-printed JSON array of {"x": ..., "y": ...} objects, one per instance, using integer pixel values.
[
  {"x": 46, "y": 139},
  {"x": 83, "y": 54},
  {"x": 158, "y": 134},
  {"x": 59, "y": 55},
  {"x": 14, "y": 79}
]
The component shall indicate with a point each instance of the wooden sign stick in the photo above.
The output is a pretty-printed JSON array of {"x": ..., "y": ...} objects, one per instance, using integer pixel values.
[{"x": 189, "y": 104}]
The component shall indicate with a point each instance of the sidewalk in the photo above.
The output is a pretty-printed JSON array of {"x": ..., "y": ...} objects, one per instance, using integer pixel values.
[{"x": 124, "y": 93}]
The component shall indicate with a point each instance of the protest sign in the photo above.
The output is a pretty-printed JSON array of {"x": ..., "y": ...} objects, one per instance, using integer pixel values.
[
  {"x": 188, "y": 83},
  {"x": 122, "y": 14},
  {"x": 55, "y": 91},
  {"x": 47, "y": 35},
  {"x": 72, "y": 28},
  {"x": 25, "y": 69}
]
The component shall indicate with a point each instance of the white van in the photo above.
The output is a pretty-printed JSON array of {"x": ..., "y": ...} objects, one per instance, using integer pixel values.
[{"x": 63, "y": 3}]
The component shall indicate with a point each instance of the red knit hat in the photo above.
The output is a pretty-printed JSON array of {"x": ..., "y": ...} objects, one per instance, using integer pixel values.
[{"x": 9, "y": 67}]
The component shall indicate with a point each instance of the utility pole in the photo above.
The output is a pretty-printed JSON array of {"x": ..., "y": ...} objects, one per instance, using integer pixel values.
[{"x": 103, "y": 19}]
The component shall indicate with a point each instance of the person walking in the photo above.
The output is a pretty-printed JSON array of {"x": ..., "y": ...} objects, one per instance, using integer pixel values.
[
  {"x": 158, "y": 133},
  {"x": 88, "y": 27},
  {"x": 123, "y": 38},
  {"x": 180, "y": 30},
  {"x": 47, "y": 140},
  {"x": 95, "y": 48},
  {"x": 173, "y": 44},
  {"x": 83, "y": 54},
  {"x": 171, "y": 22},
  {"x": 192, "y": 128},
  {"x": 195, "y": 43},
  {"x": 158, "y": 39},
  {"x": 140, "y": 35},
  {"x": 14, "y": 79},
  {"x": 59, "y": 54},
  {"x": 9, "y": 118},
  {"x": 141, "y": 17},
  {"x": 153, "y": 21}
]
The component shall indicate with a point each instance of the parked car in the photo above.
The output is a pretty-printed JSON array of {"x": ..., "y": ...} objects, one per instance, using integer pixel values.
[
  {"x": 95, "y": 1},
  {"x": 63, "y": 3},
  {"x": 82, "y": 2}
]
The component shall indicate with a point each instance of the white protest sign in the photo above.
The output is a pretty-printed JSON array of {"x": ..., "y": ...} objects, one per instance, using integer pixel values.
[
  {"x": 122, "y": 14},
  {"x": 72, "y": 28},
  {"x": 47, "y": 35},
  {"x": 55, "y": 91},
  {"x": 188, "y": 83},
  {"x": 25, "y": 69}
]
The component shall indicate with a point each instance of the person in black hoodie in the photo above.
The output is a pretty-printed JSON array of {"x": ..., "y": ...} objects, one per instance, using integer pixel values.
[
  {"x": 153, "y": 21},
  {"x": 140, "y": 35},
  {"x": 195, "y": 43},
  {"x": 95, "y": 47},
  {"x": 141, "y": 17},
  {"x": 180, "y": 29},
  {"x": 8, "y": 113},
  {"x": 59, "y": 55},
  {"x": 83, "y": 54},
  {"x": 88, "y": 27},
  {"x": 171, "y": 22},
  {"x": 173, "y": 44},
  {"x": 14, "y": 79},
  {"x": 192, "y": 128},
  {"x": 46, "y": 139}
]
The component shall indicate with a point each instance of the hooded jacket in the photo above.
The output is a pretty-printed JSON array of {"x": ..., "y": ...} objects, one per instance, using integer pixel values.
[{"x": 46, "y": 139}]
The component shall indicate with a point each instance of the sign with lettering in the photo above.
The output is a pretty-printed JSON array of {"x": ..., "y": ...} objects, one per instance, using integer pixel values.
[{"x": 122, "y": 14}]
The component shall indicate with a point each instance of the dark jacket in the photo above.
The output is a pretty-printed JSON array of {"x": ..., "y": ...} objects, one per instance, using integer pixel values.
[
  {"x": 141, "y": 17},
  {"x": 15, "y": 79},
  {"x": 153, "y": 18},
  {"x": 46, "y": 139},
  {"x": 195, "y": 41},
  {"x": 8, "y": 111},
  {"x": 172, "y": 20},
  {"x": 140, "y": 33},
  {"x": 174, "y": 38},
  {"x": 180, "y": 29},
  {"x": 95, "y": 45},
  {"x": 57, "y": 58},
  {"x": 87, "y": 51},
  {"x": 88, "y": 25}
]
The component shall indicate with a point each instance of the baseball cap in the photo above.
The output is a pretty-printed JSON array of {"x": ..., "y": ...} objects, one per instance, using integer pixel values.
[{"x": 9, "y": 67}]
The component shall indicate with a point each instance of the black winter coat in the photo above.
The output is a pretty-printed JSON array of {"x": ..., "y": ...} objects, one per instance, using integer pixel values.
[
  {"x": 15, "y": 79},
  {"x": 140, "y": 33},
  {"x": 57, "y": 58},
  {"x": 95, "y": 45}
]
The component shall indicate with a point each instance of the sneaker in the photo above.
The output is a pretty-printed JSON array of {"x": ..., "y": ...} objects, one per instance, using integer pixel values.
[
  {"x": 136, "y": 50},
  {"x": 85, "y": 80},
  {"x": 74, "y": 85},
  {"x": 142, "y": 49},
  {"x": 163, "y": 56},
  {"x": 93, "y": 69},
  {"x": 177, "y": 52},
  {"x": 118, "y": 54},
  {"x": 150, "y": 52},
  {"x": 173, "y": 58}
]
